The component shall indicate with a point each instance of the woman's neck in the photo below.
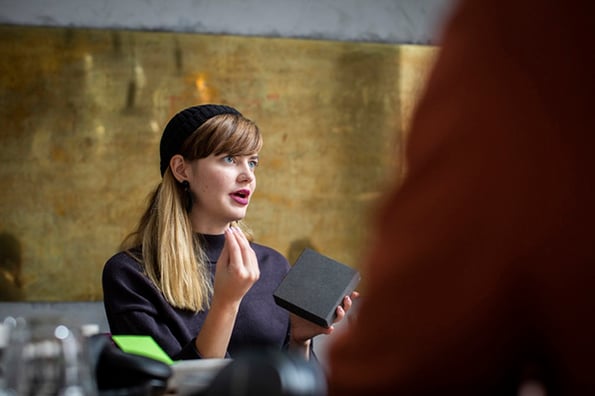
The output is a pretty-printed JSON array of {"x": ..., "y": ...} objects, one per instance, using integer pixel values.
[{"x": 210, "y": 229}]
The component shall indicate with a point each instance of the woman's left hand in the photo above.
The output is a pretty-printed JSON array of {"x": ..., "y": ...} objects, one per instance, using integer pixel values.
[{"x": 303, "y": 330}]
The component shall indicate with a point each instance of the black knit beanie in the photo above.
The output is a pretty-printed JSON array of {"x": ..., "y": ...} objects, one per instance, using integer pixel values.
[{"x": 182, "y": 125}]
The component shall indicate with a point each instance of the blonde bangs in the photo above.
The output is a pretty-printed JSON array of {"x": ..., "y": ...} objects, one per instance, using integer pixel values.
[{"x": 224, "y": 134}]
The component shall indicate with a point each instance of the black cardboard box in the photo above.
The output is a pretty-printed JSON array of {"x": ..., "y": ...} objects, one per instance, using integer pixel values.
[{"x": 315, "y": 286}]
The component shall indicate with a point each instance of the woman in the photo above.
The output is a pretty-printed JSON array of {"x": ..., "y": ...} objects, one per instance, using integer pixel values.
[{"x": 188, "y": 276}]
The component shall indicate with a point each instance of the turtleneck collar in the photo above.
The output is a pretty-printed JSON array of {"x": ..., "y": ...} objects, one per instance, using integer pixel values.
[{"x": 212, "y": 244}]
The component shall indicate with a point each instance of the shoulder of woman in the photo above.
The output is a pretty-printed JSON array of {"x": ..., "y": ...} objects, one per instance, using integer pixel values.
[
  {"x": 268, "y": 255},
  {"x": 266, "y": 250},
  {"x": 123, "y": 261}
]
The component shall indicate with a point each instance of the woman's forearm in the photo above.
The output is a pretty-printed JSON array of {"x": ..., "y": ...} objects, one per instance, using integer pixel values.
[
  {"x": 301, "y": 348},
  {"x": 213, "y": 338}
]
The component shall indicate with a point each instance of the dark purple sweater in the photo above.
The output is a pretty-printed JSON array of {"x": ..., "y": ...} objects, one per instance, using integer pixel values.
[{"x": 133, "y": 305}]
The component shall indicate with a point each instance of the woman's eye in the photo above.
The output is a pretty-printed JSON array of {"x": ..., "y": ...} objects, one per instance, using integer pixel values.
[
  {"x": 228, "y": 159},
  {"x": 253, "y": 164}
]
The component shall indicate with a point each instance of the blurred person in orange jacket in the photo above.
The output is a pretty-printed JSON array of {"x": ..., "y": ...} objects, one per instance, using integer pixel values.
[{"x": 481, "y": 271}]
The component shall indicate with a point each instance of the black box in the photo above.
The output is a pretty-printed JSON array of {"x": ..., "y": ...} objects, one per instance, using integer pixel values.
[{"x": 315, "y": 286}]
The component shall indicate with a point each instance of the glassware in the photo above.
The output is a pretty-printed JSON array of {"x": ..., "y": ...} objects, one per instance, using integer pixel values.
[{"x": 44, "y": 357}]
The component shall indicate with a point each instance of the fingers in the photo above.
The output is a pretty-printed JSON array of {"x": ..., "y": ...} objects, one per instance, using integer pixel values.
[
  {"x": 340, "y": 311},
  {"x": 237, "y": 268},
  {"x": 347, "y": 302},
  {"x": 242, "y": 257},
  {"x": 223, "y": 260},
  {"x": 233, "y": 250},
  {"x": 249, "y": 259},
  {"x": 326, "y": 330},
  {"x": 345, "y": 306},
  {"x": 302, "y": 329}
]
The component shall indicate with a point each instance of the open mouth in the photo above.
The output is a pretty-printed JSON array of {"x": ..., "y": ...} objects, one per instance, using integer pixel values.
[{"x": 241, "y": 196}]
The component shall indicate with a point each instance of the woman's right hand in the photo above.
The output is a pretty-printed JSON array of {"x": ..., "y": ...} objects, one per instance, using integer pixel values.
[{"x": 237, "y": 268}]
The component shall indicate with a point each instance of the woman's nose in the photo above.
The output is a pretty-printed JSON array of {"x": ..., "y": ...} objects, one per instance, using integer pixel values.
[
  {"x": 245, "y": 177},
  {"x": 246, "y": 174}
]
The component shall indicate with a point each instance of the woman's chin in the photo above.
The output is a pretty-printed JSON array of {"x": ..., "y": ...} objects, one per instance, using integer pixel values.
[{"x": 238, "y": 216}]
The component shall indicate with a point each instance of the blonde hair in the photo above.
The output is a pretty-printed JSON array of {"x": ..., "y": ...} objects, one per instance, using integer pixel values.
[{"x": 172, "y": 255}]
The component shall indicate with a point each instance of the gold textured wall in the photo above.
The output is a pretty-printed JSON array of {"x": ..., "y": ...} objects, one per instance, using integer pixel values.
[{"x": 82, "y": 112}]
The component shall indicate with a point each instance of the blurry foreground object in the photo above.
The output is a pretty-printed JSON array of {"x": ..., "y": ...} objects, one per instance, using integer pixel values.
[
  {"x": 270, "y": 373},
  {"x": 120, "y": 373},
  {"x": 45, "y": 357},
  {"x": 481, "y": 267}
]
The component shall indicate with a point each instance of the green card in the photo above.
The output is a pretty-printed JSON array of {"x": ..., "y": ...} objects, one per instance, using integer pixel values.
[{"x": 142, "y": 345}]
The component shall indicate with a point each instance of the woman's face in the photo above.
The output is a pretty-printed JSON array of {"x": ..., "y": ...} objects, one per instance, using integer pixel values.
[{"x": 222, "y": 186}]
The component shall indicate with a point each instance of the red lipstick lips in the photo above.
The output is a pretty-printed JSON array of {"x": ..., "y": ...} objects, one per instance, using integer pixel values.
[{"x": 241, "y": 196}]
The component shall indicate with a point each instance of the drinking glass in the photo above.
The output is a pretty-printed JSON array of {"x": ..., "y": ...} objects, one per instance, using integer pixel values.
[{"x": 44, "y": 357}]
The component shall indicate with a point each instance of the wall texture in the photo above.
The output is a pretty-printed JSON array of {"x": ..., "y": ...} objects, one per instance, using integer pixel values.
[
  {"x": 387, "y": 21},
  {"x": 83, "y": 111}
]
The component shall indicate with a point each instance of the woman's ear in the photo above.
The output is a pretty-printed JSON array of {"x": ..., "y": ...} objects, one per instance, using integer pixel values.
[{"x": 177, "y": 164}]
